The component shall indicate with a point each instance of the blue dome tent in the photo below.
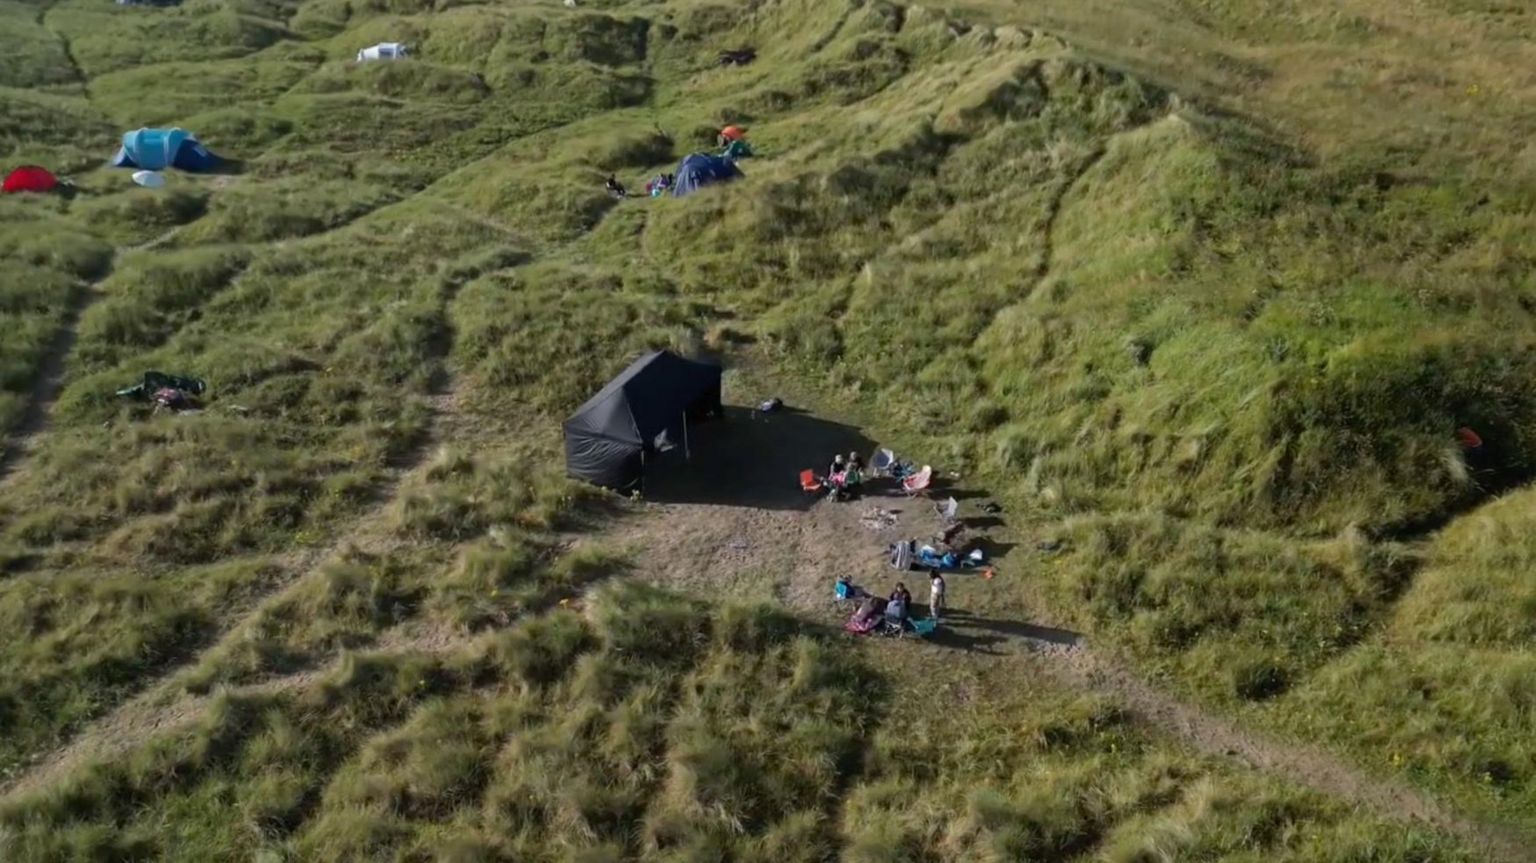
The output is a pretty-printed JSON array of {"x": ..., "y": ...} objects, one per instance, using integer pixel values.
[
  {"x": 702, "y": 169},
  {"x": 155, "y": 149}
]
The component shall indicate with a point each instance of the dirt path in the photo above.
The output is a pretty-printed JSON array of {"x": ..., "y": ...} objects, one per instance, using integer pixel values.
[
  {"x": 164, "y": 709},
  {"x": 50, "y": 379},
  {"x": 50, "y": 376},
  {"x": 779, "y": 548},
  {"x": 163, "y": 703},
  {"x": 1311, "y": 767}
]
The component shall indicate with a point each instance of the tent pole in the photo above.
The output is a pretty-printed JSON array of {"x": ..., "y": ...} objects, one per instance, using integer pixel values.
[{"x": 687, "y": 453}]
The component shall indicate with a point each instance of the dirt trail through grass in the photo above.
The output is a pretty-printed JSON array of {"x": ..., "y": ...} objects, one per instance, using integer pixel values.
[
  {"x": 50, "y": 377},
  {"x": 64, "y": 46},
  {"x": 167, "y": 708},
  {"x": 779, "y": 546},
  {"x": 1083, "y": 668},
  {"x": 163, "y": 703}
]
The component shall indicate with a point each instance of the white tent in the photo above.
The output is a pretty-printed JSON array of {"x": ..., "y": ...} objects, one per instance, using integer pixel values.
[{"x": 382, "y": 51}]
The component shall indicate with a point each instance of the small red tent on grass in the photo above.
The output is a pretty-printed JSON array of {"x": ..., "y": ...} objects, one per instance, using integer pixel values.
[{"x": 30, "y": 178}]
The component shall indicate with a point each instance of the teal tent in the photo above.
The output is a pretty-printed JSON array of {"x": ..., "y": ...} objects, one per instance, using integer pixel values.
[{"x": 156, "y": 149}]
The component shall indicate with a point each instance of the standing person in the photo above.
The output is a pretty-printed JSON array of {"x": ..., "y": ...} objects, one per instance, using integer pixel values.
[{"x": 935, "y": 594}]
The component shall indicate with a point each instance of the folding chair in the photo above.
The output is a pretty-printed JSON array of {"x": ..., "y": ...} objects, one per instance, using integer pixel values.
[
  {"x": 810, "y": 483},
  {"x": 917, "y": 484},
  {"x": 882, "y": 462}
]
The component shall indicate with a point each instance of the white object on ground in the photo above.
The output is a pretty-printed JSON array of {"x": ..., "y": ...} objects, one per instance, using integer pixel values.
[
  {"x": 383, "y": 51},
  {"x": 149, "y": 179}
]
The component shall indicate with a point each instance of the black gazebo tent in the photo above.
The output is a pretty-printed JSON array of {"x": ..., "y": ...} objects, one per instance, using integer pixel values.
[{"x": 643, "y": 410}]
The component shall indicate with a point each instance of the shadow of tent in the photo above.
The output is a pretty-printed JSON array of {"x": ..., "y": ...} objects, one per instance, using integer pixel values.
[
  {"x": 1018, "y": 629},
  {"x": 948, "y": 636},
  {"x": 751, "y": 459}
]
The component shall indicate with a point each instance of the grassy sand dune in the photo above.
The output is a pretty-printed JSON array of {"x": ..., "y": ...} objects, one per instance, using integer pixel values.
[{"x": 1200, "y": 294}]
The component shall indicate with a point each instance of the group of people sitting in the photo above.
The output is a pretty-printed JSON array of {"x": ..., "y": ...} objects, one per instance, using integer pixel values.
[
  {"x": 894, "y": 611},
  {"x": 845, "y": 475}
]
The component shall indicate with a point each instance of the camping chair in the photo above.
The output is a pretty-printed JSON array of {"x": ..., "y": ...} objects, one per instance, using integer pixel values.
[
  {"x": 950, "y": 525},
  {"x": 882, "y": 463},
  {"x": 948, "y": 512},
  {"x": 810, "y": 483},
  {"x": 923, "y": 628},
  {"x": 917, "y": 484},
  {"x": 846, "y": 591},
  {"x": 856, "y": 626}
]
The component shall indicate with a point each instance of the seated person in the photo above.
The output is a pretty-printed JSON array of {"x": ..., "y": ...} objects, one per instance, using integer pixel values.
[
  {"x": 873, "y": 606},
  {"x": 896, "y": 611}
]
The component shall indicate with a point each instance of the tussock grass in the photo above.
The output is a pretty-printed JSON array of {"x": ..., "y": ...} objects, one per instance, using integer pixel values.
[
  {"x": 1229, "y": 359},
  {"x": 1240, "y": 614},
  {"x": 598, "y": 735},
  {"x": 85, "y": 639}
]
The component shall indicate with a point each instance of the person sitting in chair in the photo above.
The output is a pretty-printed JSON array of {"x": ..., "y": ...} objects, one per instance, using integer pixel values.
[{"x": 853, "y": 475}]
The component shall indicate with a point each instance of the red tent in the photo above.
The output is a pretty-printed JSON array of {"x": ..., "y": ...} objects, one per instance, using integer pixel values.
[{"x": 30, "y": 178}]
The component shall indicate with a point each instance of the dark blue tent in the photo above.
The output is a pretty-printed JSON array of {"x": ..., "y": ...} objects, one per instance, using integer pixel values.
[
  {"x": 702, "y": 169},
  {"x": 155, "y": 149}
]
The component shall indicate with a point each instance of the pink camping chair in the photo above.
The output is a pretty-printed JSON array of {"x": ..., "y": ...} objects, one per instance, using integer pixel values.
[{"x": 917, "y": 484}]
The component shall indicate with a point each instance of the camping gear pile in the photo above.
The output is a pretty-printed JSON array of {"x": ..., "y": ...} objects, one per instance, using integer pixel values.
[
  {"x": 908, "y": 554},
  {"x": 168, "y": 392},
  {"x": 696, "y": 170}
]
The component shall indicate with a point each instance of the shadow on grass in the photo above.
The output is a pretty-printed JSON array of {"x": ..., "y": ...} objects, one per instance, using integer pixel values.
[
  {"x": 1013, "y": 628},
  {"x": 751, "y": 459}
]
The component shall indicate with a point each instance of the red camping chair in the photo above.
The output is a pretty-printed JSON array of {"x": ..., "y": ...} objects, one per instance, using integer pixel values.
[{"x": 810, "y": 483}]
